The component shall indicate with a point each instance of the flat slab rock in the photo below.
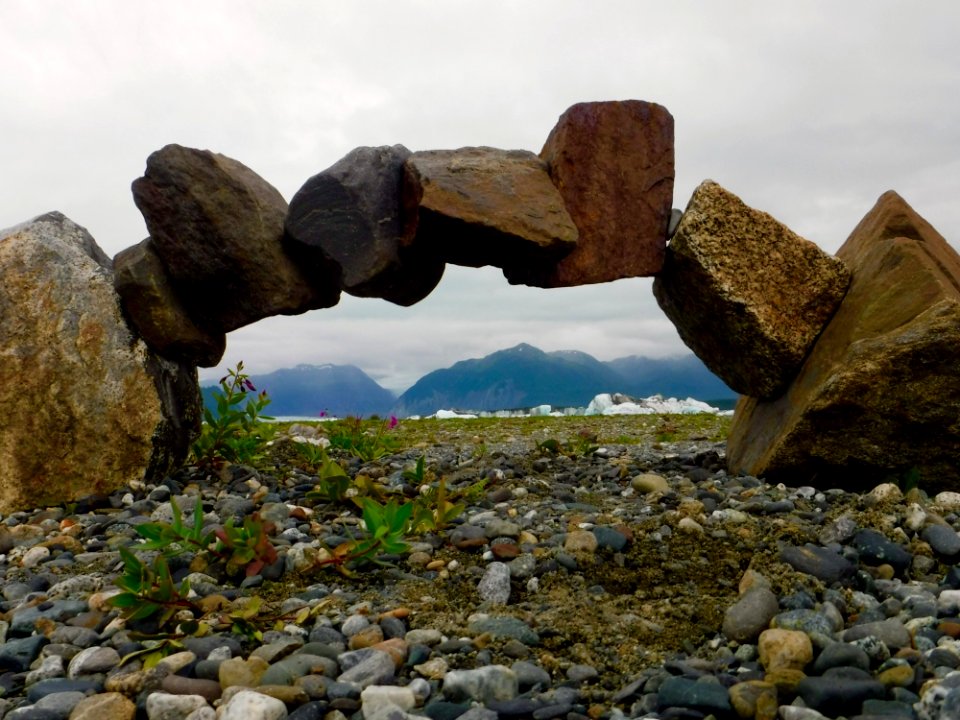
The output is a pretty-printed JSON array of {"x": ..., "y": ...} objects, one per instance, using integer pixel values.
[
  {"x": 878, "y": 393},
  {"x": 481, "y": 206},
  {"x": 747, "y": 295}
]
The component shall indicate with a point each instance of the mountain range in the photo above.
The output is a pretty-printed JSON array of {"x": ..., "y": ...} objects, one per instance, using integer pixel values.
[{"x": 519, "y": 377}]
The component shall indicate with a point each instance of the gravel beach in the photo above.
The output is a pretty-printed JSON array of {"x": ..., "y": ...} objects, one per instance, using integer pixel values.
[{"x": 637, "y": 580}]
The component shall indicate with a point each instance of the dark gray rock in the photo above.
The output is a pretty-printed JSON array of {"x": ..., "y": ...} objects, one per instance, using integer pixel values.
[
  {"x": 16, "y": 655},
  {"x": 876, "y": 549},
  {"x": 750, "y": 615},
  {"x": 820, "y": 562},
  {"x": 682, "y": 692},
  {"x": 944, "y": 540},
  {"x": 350, "y": 215},
  {"x": 841, "y": 655},
  {"x": 837, "y": 695}
]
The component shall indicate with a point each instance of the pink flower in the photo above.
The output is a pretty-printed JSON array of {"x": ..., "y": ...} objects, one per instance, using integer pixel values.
[{"x": 393, "y": 421}]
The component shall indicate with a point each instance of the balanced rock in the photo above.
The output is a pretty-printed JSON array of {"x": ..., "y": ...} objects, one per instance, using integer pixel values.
[
  {"x": 482, "y": 206},
  {"x": 217, "y": 227},
  {"x": 613, "y": 164},
  {"x": 349, "y": 215},
  {"x": 156, "y": 311},
  {"x": 746, "y": 294},
  {"x": 877, "y": 395},
  {"x": 87, "y": 407}
]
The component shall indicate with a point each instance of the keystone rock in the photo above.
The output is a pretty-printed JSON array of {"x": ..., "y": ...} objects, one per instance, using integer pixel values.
[{"x": 613, "y": 164}]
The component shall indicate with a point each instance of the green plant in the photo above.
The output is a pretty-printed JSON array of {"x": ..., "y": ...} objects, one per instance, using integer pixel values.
[
  {"x": 149, "y": 590},
  {"x": 175, "y": 538},
  {"x": 246, "y": 547},
  {"x": 581, "y": 445},
  {"x": 236, "y": 432},
  {"x": 433, "y": 510},
  {"x": 368, "y": 441},
  {"x": 333, "y": 481},
  {"x": 387, "y": 526}
]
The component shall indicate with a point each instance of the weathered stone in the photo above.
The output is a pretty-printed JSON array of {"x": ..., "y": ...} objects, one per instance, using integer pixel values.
[
  {"x": 877, "y": 396},
  {"x": 218, "y": 229},
  {"x": 613, "y": 164},
  {"x": 350, "y": 215},
  {"x": 156, "y": 311},
  {"x": 747, "y": 295},
  {"x": 87, "y": 407},
  {"x": 481, "y": 206}
]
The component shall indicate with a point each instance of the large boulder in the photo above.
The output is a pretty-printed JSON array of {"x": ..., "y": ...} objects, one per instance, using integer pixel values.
[
  {"x": 746, "y": 294},
  {"x": 217, "y": 227},
  {"x": 613, "y": 164},
  {"x": 482, "y": 206},
  {"x": 349, "y": 215},
  {"x": 157, "y": 312},
  {"x": 877, "y": 396},
  {"x": 87, "y": 408}
]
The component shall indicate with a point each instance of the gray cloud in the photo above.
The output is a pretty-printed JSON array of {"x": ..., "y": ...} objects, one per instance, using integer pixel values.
[{"x": 808, "y": 111}]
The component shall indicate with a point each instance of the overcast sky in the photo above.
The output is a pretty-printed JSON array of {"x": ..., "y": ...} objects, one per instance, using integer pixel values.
[{"x": 808, "y": 111}]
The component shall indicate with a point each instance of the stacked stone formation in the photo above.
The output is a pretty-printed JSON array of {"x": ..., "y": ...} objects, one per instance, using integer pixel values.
[{"x": 225, "y": 250}]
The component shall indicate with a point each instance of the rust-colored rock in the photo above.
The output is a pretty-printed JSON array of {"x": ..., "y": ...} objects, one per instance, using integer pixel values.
[
  {"x": 87, "y": 408},
  {"x": 746, "y": 294},
  {"x": 349, "y": 216},
  {"x": 217, "y": 227},
  {"x": 877, "y": 396},
  {"x": 481, "y": 206},
  {"x": 156, "y": 312},
  {"x": 613, "y": 164}
]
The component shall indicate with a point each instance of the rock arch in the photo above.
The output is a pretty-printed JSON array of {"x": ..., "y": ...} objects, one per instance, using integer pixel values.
[{"x": 225, "y": 250}]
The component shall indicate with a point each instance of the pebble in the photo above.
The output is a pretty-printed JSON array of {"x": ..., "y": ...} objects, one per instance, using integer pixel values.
[
  {"x": 862, "y": 617},
  {"x": 494, "y": 586},
  {"x": 750, "y": 615}
]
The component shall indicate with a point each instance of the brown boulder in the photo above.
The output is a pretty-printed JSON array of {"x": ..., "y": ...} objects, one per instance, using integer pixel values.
[
  {"x": 218, "y": 229},
  {"x": 877, "y": 396},
  {"x": 87, "y": 408},
  {"x": 482, "y": 206},
  {"x": 746, "y": 294},
  {"x": 156, "y": 311},
  {"x": 613, "y": 164},
  {"x": 350, "y": 215}
]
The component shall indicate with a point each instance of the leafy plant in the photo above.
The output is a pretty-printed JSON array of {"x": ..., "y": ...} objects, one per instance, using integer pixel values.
[
  {"x": 333, "y": 481},
  {"x": 236, "y": 432},
  {"x": 581, "y": 445},
  {"x": 387, "y": 526},
  {"x": 149, "y": 590},
  {"x": 367, "y": 441},
  {"x": 247, "y": 547},
  {"x": 433, "y": 510},
  {"x": 176, "y": 538}
]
